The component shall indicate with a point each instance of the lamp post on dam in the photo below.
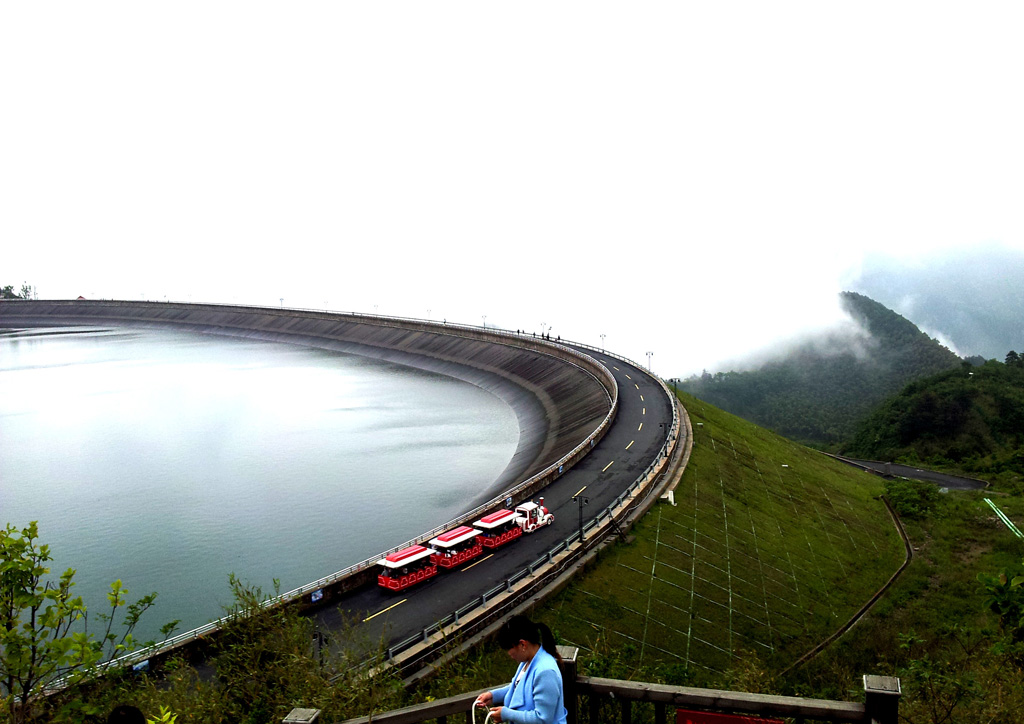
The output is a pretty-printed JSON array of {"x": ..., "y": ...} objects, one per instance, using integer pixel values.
[{"x": 578, "y": 497}]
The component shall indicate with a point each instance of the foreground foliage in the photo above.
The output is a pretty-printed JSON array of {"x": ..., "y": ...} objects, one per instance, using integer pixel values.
[
  {"x": 44, "y": 633},
  {"x": 265, "y": 662}
]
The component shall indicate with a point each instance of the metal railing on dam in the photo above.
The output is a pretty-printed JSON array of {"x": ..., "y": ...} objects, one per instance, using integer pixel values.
[{"x": 579, "y": 393}]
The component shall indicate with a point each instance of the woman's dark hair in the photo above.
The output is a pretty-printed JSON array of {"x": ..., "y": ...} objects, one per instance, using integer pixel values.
[{"x": 520, "y": 628}]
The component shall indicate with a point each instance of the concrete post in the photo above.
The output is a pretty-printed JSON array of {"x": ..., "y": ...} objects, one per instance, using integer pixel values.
[
  {"x": 881, "y": 699},
  {"x": 567, "y": 666}
]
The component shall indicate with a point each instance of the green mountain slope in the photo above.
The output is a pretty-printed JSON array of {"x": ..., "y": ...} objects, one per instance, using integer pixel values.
[
  {"x": 769, "y": 548},
  {"x": 820, "y": 390},
  {"x": 972, "y": 418}
]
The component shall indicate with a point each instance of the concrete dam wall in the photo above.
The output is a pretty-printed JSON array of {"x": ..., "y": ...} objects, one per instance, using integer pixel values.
[{"x": 563, "y": 399}]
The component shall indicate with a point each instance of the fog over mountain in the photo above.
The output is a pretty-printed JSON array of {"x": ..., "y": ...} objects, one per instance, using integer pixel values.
[
  {"x": 971, "y": 300},
  {"x": 822, "y": 389}
]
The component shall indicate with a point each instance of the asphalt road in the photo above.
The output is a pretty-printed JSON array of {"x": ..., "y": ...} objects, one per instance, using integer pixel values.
[
  {"x": 894, "y": 470},
  {"x": 634, "y": 440}
]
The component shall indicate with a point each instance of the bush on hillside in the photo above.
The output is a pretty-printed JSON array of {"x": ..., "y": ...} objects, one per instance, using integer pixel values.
[{"x": 911, "y": 498}]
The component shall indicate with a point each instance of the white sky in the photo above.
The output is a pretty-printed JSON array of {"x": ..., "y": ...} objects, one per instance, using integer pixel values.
[{"x": 695, "y": 180}]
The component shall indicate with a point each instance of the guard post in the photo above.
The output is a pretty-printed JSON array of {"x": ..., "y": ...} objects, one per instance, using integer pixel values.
[
  {"x": 881, "y": 699},
  {"x": 568, "y": 668}
]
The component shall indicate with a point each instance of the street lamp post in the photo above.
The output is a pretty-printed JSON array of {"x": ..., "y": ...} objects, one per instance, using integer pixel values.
[
  {"x": 602, "y": 342},
  {"x": 578, "y": 497},
  {"x": 649, "y": 355},
  {"x": 484, "y": 317}
]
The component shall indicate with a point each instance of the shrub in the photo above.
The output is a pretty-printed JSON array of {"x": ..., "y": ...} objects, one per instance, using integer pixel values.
[{"x": 911, "y": 498}]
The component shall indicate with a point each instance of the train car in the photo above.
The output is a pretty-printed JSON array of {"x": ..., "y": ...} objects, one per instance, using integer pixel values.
[
  {"x": 406, "y": 567},
  {"x": 531, "y": 516},
  {"x": 456, "y": 546},
  {"x": 498, "y": 528}
]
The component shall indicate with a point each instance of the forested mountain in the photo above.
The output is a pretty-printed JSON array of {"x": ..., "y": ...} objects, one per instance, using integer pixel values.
[
  {"x": 972, "y": 418},
  {"x": 819, "y": 391}
]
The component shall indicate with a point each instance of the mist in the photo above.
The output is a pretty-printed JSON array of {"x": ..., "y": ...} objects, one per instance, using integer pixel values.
[
  {"x": 971, "y": 299},
  {"x": 684, "y": 185}
]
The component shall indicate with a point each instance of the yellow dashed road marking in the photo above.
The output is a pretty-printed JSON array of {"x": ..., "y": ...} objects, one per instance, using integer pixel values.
[
  {"x": 385, "y": 610},
  {"x": 479, "y": 561}
]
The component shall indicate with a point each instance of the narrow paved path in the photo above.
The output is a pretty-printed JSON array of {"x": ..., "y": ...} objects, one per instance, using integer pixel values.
[{"x": 895, "y": 470}]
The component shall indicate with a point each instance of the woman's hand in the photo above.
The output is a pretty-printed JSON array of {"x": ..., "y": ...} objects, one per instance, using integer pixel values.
[
  {"x": 496, "y": 714},
  {"x": 484, "y": 699}
]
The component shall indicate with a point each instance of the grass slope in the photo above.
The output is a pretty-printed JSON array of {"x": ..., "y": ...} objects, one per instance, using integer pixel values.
[
  {"x": 933, "y": 628},
  {"x": 770, "y": 548}
]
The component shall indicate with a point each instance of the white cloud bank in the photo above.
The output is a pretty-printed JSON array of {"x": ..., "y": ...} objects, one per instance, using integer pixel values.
[{"x": 690, "y": 180}]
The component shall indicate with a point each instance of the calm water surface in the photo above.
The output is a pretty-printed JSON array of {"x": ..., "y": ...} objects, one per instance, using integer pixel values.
[{"x": 170, "y": 460}]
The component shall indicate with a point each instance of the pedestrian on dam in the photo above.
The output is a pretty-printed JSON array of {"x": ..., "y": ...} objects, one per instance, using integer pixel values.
[{"x": 535, "y": 695}]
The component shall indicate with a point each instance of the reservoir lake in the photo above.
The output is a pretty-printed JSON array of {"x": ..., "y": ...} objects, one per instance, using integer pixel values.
[{"x": 170, "y": 460}]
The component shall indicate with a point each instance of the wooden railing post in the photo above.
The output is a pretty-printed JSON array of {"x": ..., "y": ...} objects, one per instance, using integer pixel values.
[
  {"x": 567, "y": 666},
  {"x": 881, "y": 699},
  {"x": 302, "y": 716}
]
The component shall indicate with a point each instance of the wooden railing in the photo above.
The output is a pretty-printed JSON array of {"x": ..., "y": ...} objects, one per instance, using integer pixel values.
[{"x": 592, "y": 700}]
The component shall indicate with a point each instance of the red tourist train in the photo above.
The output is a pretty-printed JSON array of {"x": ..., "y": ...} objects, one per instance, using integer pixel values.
[
  {"x": 498, "y": 528},
  {"x": 403, "y": 568},
  {"x": 456, "y": 546},
  {"x": 417, "y": 563}
]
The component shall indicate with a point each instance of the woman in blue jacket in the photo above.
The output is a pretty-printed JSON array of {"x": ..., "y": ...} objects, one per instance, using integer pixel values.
[{"x": 535, "y": 694}]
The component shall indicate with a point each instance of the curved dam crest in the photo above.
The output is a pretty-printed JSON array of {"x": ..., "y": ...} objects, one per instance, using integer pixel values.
[{"x": 559, "y": 397}]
